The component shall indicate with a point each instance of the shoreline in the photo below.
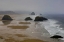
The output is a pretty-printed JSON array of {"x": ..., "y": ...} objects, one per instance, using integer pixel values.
[{"x": 34, "y": 31}]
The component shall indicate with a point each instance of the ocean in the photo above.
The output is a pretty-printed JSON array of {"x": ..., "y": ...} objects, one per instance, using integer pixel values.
[{"x": 53, "y": 28}]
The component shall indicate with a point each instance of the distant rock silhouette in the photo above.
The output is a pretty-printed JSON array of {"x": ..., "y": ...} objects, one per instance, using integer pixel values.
[
  {"x": 32, "y": 13},
  {"x": 28, "y": 18},
  {"x": 39, "y": 18},
  {"x": 40, "y": 14},
  {"x": 7, "y": 12},
  {"x": 6, "y": 17},
  {"x": 56, "y": 36}
]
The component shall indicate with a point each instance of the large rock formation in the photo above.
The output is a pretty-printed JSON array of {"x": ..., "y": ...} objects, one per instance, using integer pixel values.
[
  {"x": 32, "y": 13},
  {"x": 28, "y": 18},
  {"x": 6, "y": 17},
  {"x": 56, "y": 36},
  {"x": 39, "y": 18}
]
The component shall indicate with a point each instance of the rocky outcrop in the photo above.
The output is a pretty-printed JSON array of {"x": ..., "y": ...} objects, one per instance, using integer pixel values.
[
  {"x": 56, "y": 36},
  {"x": 39, "y": 18},
  {"x": 32, "y": 13},
  {"x": 28, "y": 18},
  {"x": 6, "y": 17}
]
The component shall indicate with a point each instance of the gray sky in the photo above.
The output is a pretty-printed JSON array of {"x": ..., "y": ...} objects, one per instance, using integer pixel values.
[{"x": 41, "y": 6}]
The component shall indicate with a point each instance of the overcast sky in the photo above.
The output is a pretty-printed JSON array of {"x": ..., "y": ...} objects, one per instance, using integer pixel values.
[{"x": 41, "y": 6}]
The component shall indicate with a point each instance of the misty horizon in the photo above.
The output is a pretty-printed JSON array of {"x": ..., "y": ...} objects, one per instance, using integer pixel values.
[{"x": 37, "y": 6}]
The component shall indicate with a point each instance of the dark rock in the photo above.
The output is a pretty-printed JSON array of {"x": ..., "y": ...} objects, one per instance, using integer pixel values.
[
  {"x": 6, "y": 17},
  {"x": 56, "y": 36},
  {"x": 32, "y": 13},
  {"x": 39, "y": 18},
  {"x": 40, "y": 14},
  {"x": 28, "y": 18}
]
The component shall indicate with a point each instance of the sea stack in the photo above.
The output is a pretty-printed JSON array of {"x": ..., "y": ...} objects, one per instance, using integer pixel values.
[
  {"x": 32, "y": 13},
  {"x": 56, "y": 36},
  {"x": 39, "y": 18},
  {"x": 6, "y": 17},
  {"x": 28, "y": 18}
]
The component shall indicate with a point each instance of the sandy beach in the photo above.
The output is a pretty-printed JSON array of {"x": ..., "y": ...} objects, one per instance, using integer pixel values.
[{"x": 19, "y": 30}]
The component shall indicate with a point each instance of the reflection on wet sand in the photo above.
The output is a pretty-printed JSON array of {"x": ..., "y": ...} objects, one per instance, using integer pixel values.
[
  {"x": 6, "y": 22},
  {"x": 19, "y": 27},
  {"x": 1, "y": 37},
  {"x": 10, "y": 40},
  {"x": 33, "y": 40},
  {"x": 24, "y": 23},
  {"x": 13, "y": 39},
  {"x": 20, "y": 35},
  {"x": 27, "y": 40}
]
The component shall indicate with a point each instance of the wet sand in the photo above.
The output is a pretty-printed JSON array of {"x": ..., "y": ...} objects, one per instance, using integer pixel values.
[
  {"x": 24, "y": 23},
  {"x": 18, "y": 27},
  {"x": 23, "y": 31}
]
